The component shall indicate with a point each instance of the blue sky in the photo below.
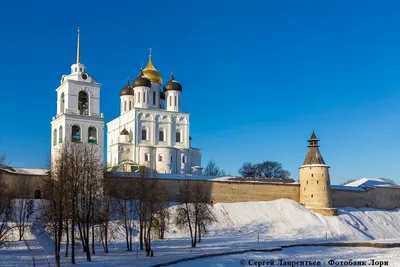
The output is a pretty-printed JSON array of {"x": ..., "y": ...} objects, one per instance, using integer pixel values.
[{"x": 258, "y": 76}]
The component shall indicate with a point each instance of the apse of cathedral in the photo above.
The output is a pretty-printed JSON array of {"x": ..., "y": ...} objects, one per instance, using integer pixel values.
[{"x": 151, "y": 130}]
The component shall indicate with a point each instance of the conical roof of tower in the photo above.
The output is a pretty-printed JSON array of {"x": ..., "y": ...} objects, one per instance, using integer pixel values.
[
  {"x": 313, "y": 155},
  {"x": 151, "y": 72}
]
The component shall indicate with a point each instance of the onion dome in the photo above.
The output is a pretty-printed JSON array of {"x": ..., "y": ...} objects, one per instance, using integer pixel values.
[
  {"x": 162, "y": 95},
  {"x": 124, "y": 132},
  {"x": 141, "y": 80},
  {"x": 172, "y": 85},
  {"x": 151, "y": 72},
  {"x": 127, "y": 90}
]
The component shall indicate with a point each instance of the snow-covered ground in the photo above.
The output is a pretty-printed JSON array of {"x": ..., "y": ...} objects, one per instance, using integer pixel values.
[
  {"x": 241, "y": 226},
  {"x": 326, "y": 256}
]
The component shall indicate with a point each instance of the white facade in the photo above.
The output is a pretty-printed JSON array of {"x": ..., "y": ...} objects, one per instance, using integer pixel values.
[
  {"x": 78, "y": 116},
  {"x": 149, "y": 134}
]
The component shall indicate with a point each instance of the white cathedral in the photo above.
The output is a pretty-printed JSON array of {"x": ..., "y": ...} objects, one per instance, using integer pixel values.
[{"x": 150, "y": 131}]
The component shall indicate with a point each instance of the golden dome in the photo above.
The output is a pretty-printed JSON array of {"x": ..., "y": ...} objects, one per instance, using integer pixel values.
[{"x": 152, "y": 73}]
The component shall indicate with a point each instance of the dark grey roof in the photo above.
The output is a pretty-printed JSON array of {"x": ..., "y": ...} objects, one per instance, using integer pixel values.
[
  {"x": 124, "y": 132},
  {"x": 126, "y": 90},
  {"x": 141, "y": 80},
  {"x": 313, "y": 155},
  {"x": 172, "y": 85}
]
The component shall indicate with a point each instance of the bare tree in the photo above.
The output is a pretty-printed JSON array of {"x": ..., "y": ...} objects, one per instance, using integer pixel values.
[
  {"x": 194, "y": 212},
  {"x": 263, "y": 170},
  {"x": 126, "y": 192},
  {"x": 5, "y": 211},
  {"x": 105, "y": 229},
  {"x": 22, "y": 206},
  {"x": 212, "y": 169},
  {"x": 57, "y": 185},
  {"x": 162, "y": 216},
  {"x": 154, "y": 207},
  {"x": 89, "y": 192},
  {"x": 75, "y": 186}
]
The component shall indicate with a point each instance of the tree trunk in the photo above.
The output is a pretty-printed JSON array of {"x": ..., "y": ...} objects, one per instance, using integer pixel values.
[
  {"x": 67, "y": 235},
  {"x": 188, "y": 219},
  {"x": 93, "y": 249},
  {"x": 87, "y": 240},
  {"x": 106, "y": 238},
  {"x": 199, "y": 233},
  {"x": 195, "y": 234},
  {"x": 73, "y": 231},
  {"x": 141, "y": 233},
  {"x": 126, "y": 233},
  {"x": 81, "y": 235}
]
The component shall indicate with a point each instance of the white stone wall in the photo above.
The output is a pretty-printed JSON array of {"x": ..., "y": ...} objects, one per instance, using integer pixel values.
[
  {"x": 173, "y": 100},
  {"x": 127, "y": 103},
  {"x": 66, "y": 121},
  {"x": 154, "y": 121}
]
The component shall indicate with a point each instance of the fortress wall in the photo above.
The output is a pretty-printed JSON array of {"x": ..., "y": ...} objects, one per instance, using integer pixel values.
[
  {"x": 356, "y": 199},
  {"x": 223, "y": 191},
  {"x": 23, "y": 185},
  {"x": 378, "y": 197},
  {"x": 227, "y": 192},
  {"x": 387, "y": 197}
]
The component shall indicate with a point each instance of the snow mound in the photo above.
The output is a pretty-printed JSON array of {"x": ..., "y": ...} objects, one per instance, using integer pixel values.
[{"x": 286, "y": 219}]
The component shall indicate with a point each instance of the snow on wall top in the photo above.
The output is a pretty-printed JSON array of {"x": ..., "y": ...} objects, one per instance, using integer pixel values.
[
  {"x": 348, "y": 188},
  {"x": 29, "y": 171},
  {"x": 369, "y": 182}
]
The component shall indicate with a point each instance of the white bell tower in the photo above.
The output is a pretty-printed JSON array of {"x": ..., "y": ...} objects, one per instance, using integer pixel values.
[{"x": 78, "y": 116}]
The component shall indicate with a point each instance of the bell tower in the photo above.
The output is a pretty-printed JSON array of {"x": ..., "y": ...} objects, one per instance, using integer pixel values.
[
  {"x": 315, "y": 185},
  {"x": 78, "y": 118}
]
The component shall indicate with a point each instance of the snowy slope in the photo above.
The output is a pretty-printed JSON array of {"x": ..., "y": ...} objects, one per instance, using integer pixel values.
[{"x": 286, "y": 219}]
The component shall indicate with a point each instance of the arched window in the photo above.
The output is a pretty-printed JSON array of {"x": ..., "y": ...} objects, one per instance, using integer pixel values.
[
  {"x": 154, "y": 97},
  {"x": 170, "y": 155},
  {"x": 124, "y": 105},
  {"x": 92, "y": 135},
  {"x": 178, "y": 137},
  {"x": 83, "y": 103},
  {"x": 144, "y": 134},
  {"x": 170, "y": 100},
  {"x": 37, "y": 194},
  {"x": 144, "y": 97},
  {"x": 160, "y": 157},
  {"x": 76, "y": 133},
  {"x": 60, "y": 135},
  {"x": 161, "y": 136},
  {"x": 55, "y": 137},
  {"x": 175, "y": 100},
  {"x": 146, "y": 157},
  {"x": 62, "y": 101},
  {"x": 138, "y": 97},
  {"x": 183, "y": 159},
  {"x": 130, "y": 105}
]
